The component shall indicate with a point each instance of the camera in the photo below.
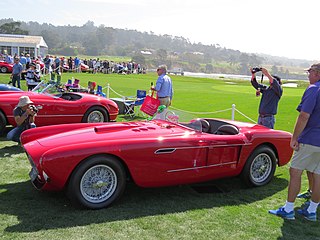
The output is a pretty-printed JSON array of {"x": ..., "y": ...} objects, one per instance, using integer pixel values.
[
  {"x": 34, "y": 108},
  {"x": 256, "y": 69}
]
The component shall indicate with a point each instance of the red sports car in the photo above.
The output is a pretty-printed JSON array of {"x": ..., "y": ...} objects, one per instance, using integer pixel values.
[
  {"x": 5, "y": 67},
  {"x": 59, "y": 108},
  {"x": 84, "y": 67},
  {"x": 93, "y": 162}
]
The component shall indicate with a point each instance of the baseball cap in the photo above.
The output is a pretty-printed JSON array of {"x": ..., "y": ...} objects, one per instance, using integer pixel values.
[{"x": 315, "y": 67}]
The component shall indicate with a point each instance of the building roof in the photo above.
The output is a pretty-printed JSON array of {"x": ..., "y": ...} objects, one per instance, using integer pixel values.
[{"x": 22, "y": 40}]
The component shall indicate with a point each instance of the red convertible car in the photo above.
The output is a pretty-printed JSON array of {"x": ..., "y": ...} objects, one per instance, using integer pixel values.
[
  {"x": 5, "y": 67},
  {"x": 59, "y": 108},
  {"x": 93, "y": 161}
]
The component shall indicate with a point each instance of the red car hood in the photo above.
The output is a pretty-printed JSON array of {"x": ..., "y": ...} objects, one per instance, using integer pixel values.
[{"x": 103, "y": 132}]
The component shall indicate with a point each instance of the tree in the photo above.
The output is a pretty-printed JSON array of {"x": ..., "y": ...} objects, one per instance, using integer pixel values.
[
  {"x": 209, "y": 68},
  {"x": 274, "y": 69},
  {"x": 139, "y": 58},
  {"x": 12, "y": 28},
  {"x": 51, "y": 38},
  {"x": 162, "y": 55}
]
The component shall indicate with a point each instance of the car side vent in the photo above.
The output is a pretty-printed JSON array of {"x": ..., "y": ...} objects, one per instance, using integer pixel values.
[{"x": 165, "y": 150}]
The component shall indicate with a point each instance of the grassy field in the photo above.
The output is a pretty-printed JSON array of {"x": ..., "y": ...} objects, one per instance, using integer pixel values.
[{"x": 229, "y": 211}]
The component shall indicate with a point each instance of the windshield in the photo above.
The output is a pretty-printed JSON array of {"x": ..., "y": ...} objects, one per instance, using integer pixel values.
[
  {"x": 49, "y": 89},
  {"x": 171, "y": 116}
]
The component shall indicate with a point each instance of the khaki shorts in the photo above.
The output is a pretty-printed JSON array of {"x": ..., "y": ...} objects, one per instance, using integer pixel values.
[
  {"x": 165, "y": 101},
  {"x": 307, "y": 158}
]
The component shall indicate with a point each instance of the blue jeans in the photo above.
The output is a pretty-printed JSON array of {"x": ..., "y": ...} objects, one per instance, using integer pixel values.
[
  {"x": 16, "y": 79},
  {"x": 14, "y": 134},
  {"x": 267, "y": 121}
]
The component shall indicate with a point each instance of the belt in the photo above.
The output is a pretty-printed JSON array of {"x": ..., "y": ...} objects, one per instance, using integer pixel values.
[
  {"x": 163, "y": 97},
  {"x": 265, "y": 115}
]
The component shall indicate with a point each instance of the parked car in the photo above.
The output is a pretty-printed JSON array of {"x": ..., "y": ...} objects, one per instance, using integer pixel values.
[
  {"x": 6, "y": 88},
  {"x": 83, "y": 67},
  {"x": 5, "y": 67},
  {"x": 93, "y": 162},
  {"x": 59, "y": 108}
]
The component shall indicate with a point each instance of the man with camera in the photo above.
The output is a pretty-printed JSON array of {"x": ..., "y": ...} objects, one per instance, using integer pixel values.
[
  {"x": 24, "y": 115},
  {"x": 271, "y": 95}
]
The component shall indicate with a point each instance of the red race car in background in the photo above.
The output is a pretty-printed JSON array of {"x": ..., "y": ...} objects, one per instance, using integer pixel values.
[
  {"x": 5, "y": 67},
  {"x": 93, "y": 162},
  {"x": 59, "y": 108},
  {"x": 83, "y": 67}
]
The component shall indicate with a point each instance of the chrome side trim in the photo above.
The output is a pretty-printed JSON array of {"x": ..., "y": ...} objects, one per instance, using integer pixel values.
[
  {"x": 46, "y": 116},
  {"x": 195, "y": 168},
  {"x": 168, "y": 150}
]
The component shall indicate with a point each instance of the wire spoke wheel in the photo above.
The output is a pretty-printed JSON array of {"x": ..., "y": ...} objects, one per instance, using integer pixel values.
[
  {"x": 98, "y": 183},
  {"x": 95, "y": 116},
  {"x": 261, "y": 168}
]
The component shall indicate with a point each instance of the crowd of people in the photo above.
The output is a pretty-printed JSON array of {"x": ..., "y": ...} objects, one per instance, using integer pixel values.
[{"x": 31, "y": 69}]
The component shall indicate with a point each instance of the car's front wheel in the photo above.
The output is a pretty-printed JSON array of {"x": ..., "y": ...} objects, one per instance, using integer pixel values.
[
  {"x": 97, "y": 182},
  {"x": 4, "y": 69},
  {"x": 260, "y": 167},
  {"x": 3, "y": 123},
  {"x": 95, "y": 114}
]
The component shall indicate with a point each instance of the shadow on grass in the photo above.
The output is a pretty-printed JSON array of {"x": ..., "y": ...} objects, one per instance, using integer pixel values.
[
  {"x": 10, "y": 148},
  {"x": 293, "y": 228},
  {"x": 50, "y": 210}
]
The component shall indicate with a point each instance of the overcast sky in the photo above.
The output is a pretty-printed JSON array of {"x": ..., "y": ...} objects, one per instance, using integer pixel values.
[{"x": 288, "y": 28}]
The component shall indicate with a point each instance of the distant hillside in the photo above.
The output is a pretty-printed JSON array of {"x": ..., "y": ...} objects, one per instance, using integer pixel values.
[{"x": 151, "y": 50}]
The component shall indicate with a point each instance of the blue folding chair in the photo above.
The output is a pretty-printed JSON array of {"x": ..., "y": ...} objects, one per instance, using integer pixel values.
[
  {"x": 99, "y": 91},
  {"x": 133, "y": 103},
  {"x": 141, "y": 95}
]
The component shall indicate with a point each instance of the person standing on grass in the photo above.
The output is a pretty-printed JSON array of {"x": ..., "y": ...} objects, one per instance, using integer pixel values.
[
  {"x": 163, "y": 86},
  {"x": 16, "y": 72},
  {"x": 306, "y": 144},
  {"x": 270, "y": 97}
]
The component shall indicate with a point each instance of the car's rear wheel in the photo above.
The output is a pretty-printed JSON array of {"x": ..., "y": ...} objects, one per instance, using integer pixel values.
[
  {"x": 3, "y": 123},
  {"x": 97, "y": 182},
  {"x": 96, "y": 114},
  {"x": 260, "y": 167},
  {"x": 3, "y": 69}
]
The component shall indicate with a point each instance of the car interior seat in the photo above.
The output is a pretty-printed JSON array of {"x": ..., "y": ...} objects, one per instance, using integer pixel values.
[
  {"x": 227, "y": 130},
  {"x": 205, "y": 126}
]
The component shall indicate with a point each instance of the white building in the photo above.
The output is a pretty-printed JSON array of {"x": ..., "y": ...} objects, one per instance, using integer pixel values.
[{"x": 17, "y": 44}]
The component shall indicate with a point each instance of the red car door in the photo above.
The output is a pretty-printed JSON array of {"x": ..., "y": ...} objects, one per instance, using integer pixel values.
[
  {"x": 58, "y": 111},
  {"x": 224, "y": 150}
]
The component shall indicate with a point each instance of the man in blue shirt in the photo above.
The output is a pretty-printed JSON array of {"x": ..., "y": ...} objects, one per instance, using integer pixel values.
[
  {"x": 9, "y": 58},
  {"x": 23, "y": 61},
  {"x": 163, "y": 86},
  {"x": 16, "y": 72},
  {"x": 77, "y": 64},
  {"x": 306, "y": 144},
  {"x": 270, "y": 98},
  {"x": 57, "y": 63}
]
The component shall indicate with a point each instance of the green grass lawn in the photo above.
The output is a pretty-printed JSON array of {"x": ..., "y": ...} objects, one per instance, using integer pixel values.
[{"x": 231, "y": 211}]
